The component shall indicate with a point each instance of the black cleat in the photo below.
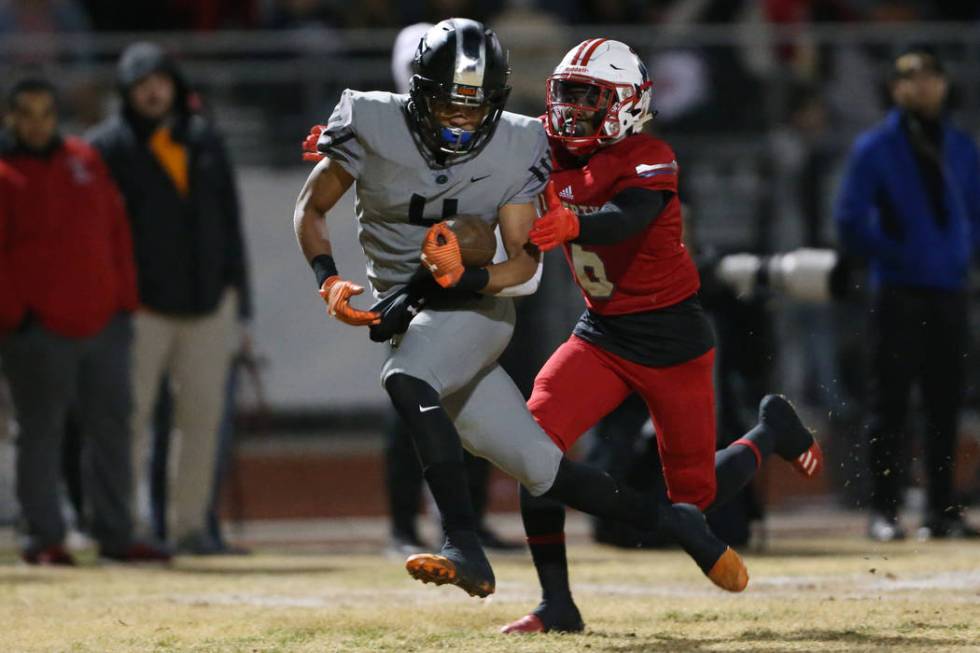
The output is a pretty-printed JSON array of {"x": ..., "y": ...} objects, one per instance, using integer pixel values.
[
  {"x": 461, "y": 562},
  {"x": 792, "y": 441},
  {"x": 717, "y": 560},
  {"x": 940, "y": 527}
]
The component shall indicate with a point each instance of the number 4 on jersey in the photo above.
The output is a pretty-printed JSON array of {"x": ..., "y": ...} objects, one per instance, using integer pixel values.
[
  {"x": 416, "y": 210},
  {"x": 591, "y": 273}
]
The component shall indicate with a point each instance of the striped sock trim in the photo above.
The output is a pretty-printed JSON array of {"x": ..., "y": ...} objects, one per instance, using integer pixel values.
[
  {"x": 752, "y": 446},
  {"x": 551, "y": 538}
]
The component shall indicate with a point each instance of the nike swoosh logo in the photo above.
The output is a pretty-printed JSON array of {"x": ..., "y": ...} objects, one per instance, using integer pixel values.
[
  {"x": 473, "y": 180},
  {"x": 425, "y": 409}
]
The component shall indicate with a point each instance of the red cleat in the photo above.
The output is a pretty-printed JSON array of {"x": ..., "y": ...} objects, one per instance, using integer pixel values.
[
  {"x": 792, "y": 440},
  {"x": 810, "y": 462},
  {"x": 527, "y": 624},
  {"x": 555, "y": 616},
  {"x": 137, "y": 553},
  {"x": 51, "y": 556}
]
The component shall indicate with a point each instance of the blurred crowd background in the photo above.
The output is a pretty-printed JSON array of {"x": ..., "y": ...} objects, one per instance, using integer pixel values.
[{"x": 760, "y": 99}]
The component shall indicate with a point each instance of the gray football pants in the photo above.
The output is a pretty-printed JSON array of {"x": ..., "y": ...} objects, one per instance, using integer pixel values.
[{"x": 456, "y": 351}]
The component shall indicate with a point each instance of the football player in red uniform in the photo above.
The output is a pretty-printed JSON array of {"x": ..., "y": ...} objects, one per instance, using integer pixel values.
[{"x": 612, "y": 205}]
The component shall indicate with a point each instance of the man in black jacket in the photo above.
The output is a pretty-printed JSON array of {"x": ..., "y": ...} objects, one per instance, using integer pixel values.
[{"x": 180, "y": 194}]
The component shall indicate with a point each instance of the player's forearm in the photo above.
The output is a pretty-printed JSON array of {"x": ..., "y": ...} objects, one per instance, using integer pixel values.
[
  {"x": 313, "y": 242},
  {"x": 512, "y": 272},
  {"x": 515, "y": 222},
  {"x": 326, "y": 184},
  {"x": 311, "y": 233},
  {"x": 529, "y": 287}
]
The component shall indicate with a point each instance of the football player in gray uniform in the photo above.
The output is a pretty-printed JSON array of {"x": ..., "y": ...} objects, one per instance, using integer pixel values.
[{"x": 448, "y": 148}]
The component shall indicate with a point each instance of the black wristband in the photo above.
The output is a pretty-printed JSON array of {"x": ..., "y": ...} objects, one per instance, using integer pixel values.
[
  {"x": 324, "y": 268},
  {"x": 473, "y": 280},
  {"x": 422, "y": 284}
]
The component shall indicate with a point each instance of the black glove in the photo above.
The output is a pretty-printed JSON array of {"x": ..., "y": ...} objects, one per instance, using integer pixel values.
[
  {"x": 397, "y": 312},
  {"x": 398, "y": 309}
]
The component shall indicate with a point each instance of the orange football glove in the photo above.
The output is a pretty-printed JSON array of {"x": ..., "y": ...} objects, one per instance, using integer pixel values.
[
  {"x": 558, "y": 225},
  {"x": 310, "y": 153},
  {"x": 441, "y": 255},
  {"x": 337, "y": 293}
]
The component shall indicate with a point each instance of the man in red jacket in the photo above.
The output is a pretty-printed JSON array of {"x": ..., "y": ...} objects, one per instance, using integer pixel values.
[{"x": 67, "y": 286}]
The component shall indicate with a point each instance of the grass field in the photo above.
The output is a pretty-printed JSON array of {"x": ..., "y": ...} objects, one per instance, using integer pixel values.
[{"x": 805, "y": 595}]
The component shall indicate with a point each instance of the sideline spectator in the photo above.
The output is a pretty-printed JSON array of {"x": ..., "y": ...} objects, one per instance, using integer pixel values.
[
  {"x": 67, "y": 286},
  {"x": 180, "y": 193},
  {"x": 910, "y": 204},
  {"x": 41, "y": 21}
]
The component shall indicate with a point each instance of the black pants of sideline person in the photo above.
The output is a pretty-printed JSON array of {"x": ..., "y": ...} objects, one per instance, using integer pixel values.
[
  {"x": 48, "y": 375},
  {"x": 919, "y": 336}
]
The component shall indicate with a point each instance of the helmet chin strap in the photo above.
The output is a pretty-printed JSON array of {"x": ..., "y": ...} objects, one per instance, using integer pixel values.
[{"x": 584, "y": 148}]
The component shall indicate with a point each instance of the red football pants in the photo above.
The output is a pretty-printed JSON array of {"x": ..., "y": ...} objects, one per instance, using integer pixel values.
[{"x": 581, "y": 383}]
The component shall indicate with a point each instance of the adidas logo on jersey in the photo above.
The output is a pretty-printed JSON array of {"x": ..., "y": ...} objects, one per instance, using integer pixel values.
[{"x": 566, "y": 193}]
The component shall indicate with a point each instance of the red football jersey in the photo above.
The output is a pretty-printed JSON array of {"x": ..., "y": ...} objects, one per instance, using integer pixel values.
[{"x": 644, "y": 272}]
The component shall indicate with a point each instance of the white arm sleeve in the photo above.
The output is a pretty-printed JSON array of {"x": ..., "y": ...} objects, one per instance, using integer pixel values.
[{"x": 530, "y": 286}]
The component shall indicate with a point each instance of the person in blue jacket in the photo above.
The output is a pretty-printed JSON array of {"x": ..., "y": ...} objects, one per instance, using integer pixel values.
[{"x": 910, "y": 205}]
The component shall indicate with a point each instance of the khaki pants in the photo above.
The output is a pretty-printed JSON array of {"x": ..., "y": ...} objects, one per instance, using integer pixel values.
[{"x": 195, "y": 353}]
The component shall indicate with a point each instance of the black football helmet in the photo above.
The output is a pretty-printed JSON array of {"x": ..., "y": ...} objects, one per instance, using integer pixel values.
[{"x": 459, "y": 61}]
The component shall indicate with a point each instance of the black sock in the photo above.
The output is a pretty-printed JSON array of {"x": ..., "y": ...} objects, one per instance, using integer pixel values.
[
  {"x": 403, "y": 478},
  {"x": 447, "y": 481},
  {"x": 478, "y": 481},
  {"x": 735, "y": 466},
  {"x": 597, "y": 493},
  {"x": 544, "y": 523},
  {"x": 438, "y": 447},
  {"x": 762, "y": 438}
]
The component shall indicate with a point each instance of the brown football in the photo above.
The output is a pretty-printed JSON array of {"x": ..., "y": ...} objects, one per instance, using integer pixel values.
[{"x": 477, "y": 242}]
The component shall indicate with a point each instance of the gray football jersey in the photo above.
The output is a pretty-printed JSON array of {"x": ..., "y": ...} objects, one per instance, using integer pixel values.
[{"x": 398, "y": 194}]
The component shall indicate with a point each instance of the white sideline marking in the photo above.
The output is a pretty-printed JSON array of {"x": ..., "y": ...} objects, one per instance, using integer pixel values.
[{"x": 856, "y": 586}]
